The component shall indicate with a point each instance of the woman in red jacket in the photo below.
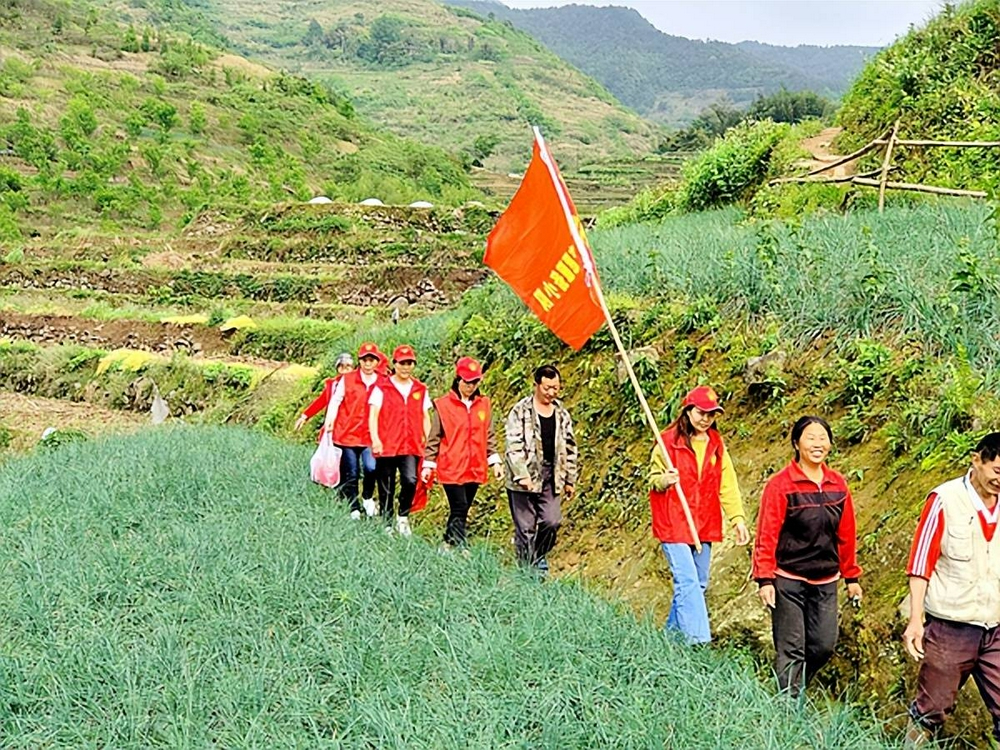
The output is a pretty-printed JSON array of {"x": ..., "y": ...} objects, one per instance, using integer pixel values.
[
  {"x": 805, "y": 543},
  {"x": 705, "y": 472},
  {"x": 461, "y": 446}
]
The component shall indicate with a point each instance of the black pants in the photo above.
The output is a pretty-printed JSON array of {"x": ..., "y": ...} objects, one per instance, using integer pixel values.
[
  {"x": 460, "y": 498},
  {"x": 385, "y": 472},
  {"x": 804, "y": 627},
  {"x": 536, "y": 516},
  {"x": 353, "y": 460}
]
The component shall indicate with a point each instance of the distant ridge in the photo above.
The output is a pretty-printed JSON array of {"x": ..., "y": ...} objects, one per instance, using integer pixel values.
[{"x": 671, "y": 78}]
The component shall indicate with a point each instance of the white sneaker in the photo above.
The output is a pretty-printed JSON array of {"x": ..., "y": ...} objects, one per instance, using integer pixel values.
[
  {"x": 355, "y": 515},
  {"x": 370, "y": 507},
  {"x": 403, "y": 526}
]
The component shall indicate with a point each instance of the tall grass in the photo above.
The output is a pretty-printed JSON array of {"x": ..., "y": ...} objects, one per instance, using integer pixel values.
[
  {"x": 928, "y": 271},
  {"x": 190, "y": 588}
]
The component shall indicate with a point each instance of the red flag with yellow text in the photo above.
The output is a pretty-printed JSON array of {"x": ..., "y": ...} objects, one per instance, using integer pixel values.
[{"x": 539, "y": 248}]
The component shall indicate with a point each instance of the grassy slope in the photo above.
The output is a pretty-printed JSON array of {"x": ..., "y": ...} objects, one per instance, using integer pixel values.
[
  {"x": 136, "y": 139},
  {"x": 942, "y": 81},
  {"x": 192, "y": 588},
  {"x": 457, "y": 78}
]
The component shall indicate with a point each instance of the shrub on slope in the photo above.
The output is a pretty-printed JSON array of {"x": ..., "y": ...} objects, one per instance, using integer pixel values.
[
  {"x": 943, "y": 82},
  {"x": 188, "y": 588}
]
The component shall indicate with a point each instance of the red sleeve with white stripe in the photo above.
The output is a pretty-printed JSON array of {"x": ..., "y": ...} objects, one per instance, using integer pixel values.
[{"x": 926, "y": 547}]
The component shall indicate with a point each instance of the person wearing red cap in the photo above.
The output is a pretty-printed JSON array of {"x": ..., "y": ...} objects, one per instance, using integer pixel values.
[
  {"x": 398, "y": 420},
  {"x": 347, "y": 417},
  {"x": 806, "y": 542},
  {"x": 462, "y": 446},
  {"x": 704, "y": 470}
]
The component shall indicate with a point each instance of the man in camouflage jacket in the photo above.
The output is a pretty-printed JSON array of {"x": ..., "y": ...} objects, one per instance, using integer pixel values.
[{"x": 541, "y": 467}]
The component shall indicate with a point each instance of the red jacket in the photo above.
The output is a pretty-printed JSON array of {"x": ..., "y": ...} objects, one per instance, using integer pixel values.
[
  {"x": 322, "y": 401},
  {"x": 462, "y": 454},
  {"x": 702, "y": 493},
  {"x": 401, "y": 423},
  {"x": 804, "y": 529},
  {"x": 351, "y": 426}
]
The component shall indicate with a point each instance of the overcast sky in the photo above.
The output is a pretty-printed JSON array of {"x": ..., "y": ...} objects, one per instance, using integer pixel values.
[{"x": 788, "y": 22}]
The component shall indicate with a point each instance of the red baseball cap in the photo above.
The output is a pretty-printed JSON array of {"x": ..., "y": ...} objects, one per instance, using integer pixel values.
[
  {"x": 404, "y": 352},
  {"x": 468, "y": 369},
  {"x": 704, "y": 397},
  {"x": 368, "y": 349}
]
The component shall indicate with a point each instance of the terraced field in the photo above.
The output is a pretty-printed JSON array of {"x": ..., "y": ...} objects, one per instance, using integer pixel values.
[{"x": 222, "y": 306}]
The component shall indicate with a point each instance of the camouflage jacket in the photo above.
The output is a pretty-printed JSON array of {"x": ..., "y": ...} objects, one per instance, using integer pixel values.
[{"x": 523, "y": 454}]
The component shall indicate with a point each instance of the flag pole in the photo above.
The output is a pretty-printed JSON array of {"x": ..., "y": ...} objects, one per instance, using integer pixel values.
[
  {"x": 595, "y": 285},
  {"x": 650, "y": 419}
]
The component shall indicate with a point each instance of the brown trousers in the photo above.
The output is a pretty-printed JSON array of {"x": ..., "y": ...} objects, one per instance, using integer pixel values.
[
  {"x": 536, "y": 516},
  {"x": 953, "y": 651}
]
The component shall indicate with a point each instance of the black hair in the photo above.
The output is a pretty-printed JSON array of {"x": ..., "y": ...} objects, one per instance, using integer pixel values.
[
  {"x": 989, "y": 447},
  {"x": 684, "y": 427},
  {"x": 800, "y": 426},
  {"x": 546, "y": 372},
  {"x": 454, "y": 387}
]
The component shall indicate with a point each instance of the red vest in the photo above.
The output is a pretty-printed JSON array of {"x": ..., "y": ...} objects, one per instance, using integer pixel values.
[
  {"x": 462, "y": 455},
  {"x": 351, "y": 426},
  {"x": 401, "y": 423},
  {"x": 702, "y": 493}
]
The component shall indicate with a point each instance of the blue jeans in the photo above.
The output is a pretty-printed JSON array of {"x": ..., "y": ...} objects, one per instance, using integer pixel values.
[
  {"x": 688, "y": 611},
  {"x": 352, "y": 460}
]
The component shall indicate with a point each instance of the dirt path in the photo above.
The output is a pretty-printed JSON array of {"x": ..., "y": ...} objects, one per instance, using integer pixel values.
[
  {"x": 819, "y": 146},
  {"x": 28, "y": 416}
]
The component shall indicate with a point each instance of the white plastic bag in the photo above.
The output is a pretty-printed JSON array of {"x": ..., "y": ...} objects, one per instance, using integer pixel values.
[{"x": 324, "y": 468}]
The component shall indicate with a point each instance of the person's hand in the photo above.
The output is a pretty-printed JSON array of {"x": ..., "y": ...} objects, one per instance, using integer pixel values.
[
  {"x": 766, "y": 594},
  {"x": 742, "y": 533},
  {"x": 425, "y": 474},
  {"x": 913, "y": 639},
  {"x": 376, "y": 446},
  {"x": 671, "y": 477},
  {"x": 526, "y": 483},
  {"x": 854, "y": 592},
  {"x": 498, "y": 471},
  {"x": 569, "y": 490},
  {"x": 300, "y": 421}
]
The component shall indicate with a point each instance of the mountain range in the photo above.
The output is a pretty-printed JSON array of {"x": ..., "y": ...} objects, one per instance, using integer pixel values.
[{"x": 670, "y": 78}]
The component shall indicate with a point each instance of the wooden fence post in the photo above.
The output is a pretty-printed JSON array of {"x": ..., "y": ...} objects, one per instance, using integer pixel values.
[{"x": 885, "y": 167}]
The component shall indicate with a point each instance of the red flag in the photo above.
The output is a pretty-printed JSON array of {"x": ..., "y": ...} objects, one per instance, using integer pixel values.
[
  {"x": 538, "y": 247},
  {"x": 423, "y": 489}
]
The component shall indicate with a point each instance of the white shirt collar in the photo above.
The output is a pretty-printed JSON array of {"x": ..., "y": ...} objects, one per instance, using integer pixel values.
[{"x": 977, "y": 502}]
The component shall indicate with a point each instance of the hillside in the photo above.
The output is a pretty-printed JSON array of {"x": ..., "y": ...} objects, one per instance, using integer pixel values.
[
  {"x": 142, "y": 127},
  {"x": 703, "y": 298},
  {"x": 942, "y": 82},
  {"x": 444, "y": 77},
  {"x": 670, "y": 78}
]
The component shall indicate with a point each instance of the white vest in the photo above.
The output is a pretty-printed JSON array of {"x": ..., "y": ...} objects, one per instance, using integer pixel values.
[{"x": 965, "y": 584}]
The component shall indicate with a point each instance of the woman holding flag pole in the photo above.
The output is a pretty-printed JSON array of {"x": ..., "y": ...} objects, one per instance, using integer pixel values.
[{"x": 703, "y": 466}]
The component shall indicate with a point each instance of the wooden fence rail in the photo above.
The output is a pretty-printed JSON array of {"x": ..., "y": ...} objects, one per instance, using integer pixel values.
[{"x": 883, "y": 183}]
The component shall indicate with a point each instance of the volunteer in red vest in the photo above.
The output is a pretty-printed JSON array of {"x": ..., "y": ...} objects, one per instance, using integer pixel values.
[
  {"x": 347, "y": 417},
  {"x": 704, "y": 469},
  {"x": 806, "y": 543},
  {"x": 462, "y": 446},
  {"x": 343, "y": 364},
  {"x": 399, "y": 420},
  {"x": 954, "y": 570}
]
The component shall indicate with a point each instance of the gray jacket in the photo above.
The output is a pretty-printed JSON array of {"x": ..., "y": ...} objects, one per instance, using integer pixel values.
[{"x": 524, "y": 447}]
